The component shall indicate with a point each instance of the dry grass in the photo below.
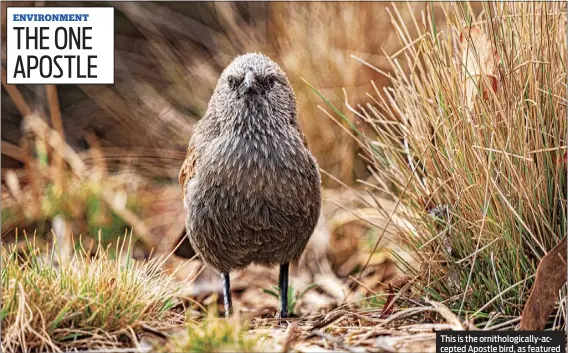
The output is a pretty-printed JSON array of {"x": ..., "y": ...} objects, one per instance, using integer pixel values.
[
  {"x": 210, "y": 335},
  {"x": 482, "y": 182},
  {"x": 477, "y": 185},
  {"x": 169, "y": 57},
  {"x": 82, "y": 303}
]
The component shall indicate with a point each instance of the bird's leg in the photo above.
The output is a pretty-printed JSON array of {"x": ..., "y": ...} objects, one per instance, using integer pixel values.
[
  {"x": 283, "y": 281},
  {"x": 227, "y": 293}
]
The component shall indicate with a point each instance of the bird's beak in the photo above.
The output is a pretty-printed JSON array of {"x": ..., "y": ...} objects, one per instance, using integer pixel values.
[{"x": 249, "y": 80}]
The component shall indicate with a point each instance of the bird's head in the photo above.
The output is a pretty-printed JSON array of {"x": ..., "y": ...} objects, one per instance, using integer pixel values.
[{"x": 255, "y": 80}]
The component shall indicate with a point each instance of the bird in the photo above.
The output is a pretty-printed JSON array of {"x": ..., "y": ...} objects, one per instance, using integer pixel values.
[{"x": 251, "y": 187}]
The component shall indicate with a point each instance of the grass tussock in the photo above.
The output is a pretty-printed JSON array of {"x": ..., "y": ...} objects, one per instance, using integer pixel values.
[
  {"x": 212, "y": 335},
  {"x": 84, "y": 303},
  {"x": 480, "y": 175}
]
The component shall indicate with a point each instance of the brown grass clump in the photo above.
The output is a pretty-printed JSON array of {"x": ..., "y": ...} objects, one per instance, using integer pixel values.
[
  {"x": 84, "y": 303},
  {"x": 472, "y": 152}
]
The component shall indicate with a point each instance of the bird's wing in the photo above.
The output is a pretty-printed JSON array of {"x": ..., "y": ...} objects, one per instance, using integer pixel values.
[{"x": 188, "y": 168}]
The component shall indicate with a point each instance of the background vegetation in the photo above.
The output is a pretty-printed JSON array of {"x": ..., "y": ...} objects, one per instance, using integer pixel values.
[{"x": 440, "y": 130}]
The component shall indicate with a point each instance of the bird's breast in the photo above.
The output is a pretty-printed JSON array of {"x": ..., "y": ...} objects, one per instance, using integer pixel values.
[
  {"x": 258, "y": 160},
  {"x": 245, "y": 172}
]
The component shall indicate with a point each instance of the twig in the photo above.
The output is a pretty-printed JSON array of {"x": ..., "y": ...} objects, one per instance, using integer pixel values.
[
  {"x": 13, "y": 151},
  {"x": 292, "y": 335},
  {"x": 337, "y": 342},
  {"x": 447, "y": 314},
  {"x": 16, "y": 96}
]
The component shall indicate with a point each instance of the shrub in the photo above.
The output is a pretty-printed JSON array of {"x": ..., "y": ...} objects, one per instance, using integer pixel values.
[{"x": 476, "y": 169}]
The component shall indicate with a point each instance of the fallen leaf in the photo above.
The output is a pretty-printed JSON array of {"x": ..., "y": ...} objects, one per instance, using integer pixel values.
[
  {"x": 550, "y": 276},
  {"x": 480, "y": 60},
  {"x": 389, "y": 304}
]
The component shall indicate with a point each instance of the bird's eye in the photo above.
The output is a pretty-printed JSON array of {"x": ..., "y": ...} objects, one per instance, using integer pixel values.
[
  {"x": 233, "y": 82},
  {"x": 269, "y": 81}
]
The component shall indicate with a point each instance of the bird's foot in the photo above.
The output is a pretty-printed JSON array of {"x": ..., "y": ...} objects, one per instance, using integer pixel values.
[{"x": 283, "y": 319}]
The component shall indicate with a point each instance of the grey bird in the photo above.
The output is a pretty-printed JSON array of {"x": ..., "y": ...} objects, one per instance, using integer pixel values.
[{"x": 252, "y": 189}]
